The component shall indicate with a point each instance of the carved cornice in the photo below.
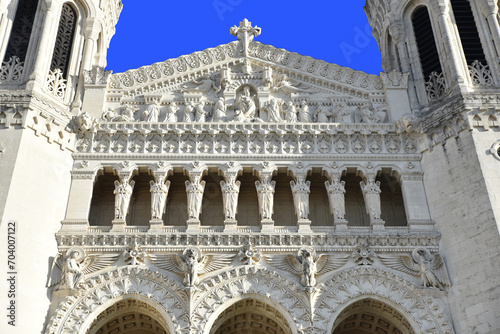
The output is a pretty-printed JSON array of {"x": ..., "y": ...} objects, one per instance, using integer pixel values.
[{"x": 168, "y": 238}]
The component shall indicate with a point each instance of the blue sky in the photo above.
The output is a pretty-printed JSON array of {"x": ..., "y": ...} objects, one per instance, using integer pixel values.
[{"x": 150, "y": 31}]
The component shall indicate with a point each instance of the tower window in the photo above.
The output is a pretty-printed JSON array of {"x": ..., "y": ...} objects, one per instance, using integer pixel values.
[
  {"x": 21, "y": 30},
  {"x": 64, "y": 40},
  {"x": 426, "y": 44},
  {"x": 467, "y": 29}
]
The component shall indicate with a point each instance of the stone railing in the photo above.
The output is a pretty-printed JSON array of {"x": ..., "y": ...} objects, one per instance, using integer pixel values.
[
  {"x": 435, "y": 86},
  {"x": 56, "y": 84},
  {"x": 11, "y": 70},
  {"x": 480, "y": 74}
]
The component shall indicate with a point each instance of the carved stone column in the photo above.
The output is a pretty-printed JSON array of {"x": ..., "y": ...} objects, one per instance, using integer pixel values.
[
  {"x": 336, "y": 191},
  {"x": 48, "y": 31},
  {"x": 447, "y": 37},
  {"x": 371, "y": 194},
  {"x": 123, "y": 193},
  {"x": 300, "y": 191},
  {"x": 230, "y": 191},
  {"x": 265, "y": 192},
  {"x": 80, "y": 198},
  {"x": 194, "y": 189},
  {"x": 159, "y": 192},
  {"x": 415, "y": 201}
]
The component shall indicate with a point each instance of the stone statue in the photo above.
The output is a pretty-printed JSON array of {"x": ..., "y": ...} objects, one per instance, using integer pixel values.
[
  {"x": 306, "y": 266},
  {"x": 200, "y": 113},
  {"x": 68, "y": 270},
  {"x": 203, "y": 85},
  {"x": 194, "y": 189},
  {"x": 246, "y": 104},
  {"x": 322, "y": 114},
  {"x": 344, "y": 113},
  {"x": 430, "y": 268},
  {"x": 371, "y": 193},
  {"x": 84, "y": 122},
  {"x": 159, "y": 191},
  {"x": 128, "y": 113},
  {"x": 274, "y": 112},
  {"x": 191, "y": 264},
  {"x": 152, "y": 113},
  {"x": 291, "y": 113},
  {"x": 230, "y": 191},
  {"x": 265, "y": 194},
  {"x": 301, "y": 191},
  {"x": 365, "y": 114},
  {"x": 123, "y": 192},
  {"x": 189, "y": 112},
  {"x": 219, "y": 110},
  {"x": 304, "y": 115},
  {"x": 336, "y": 191},
  {"x": 287, "y": 87},
  {"x": 172, "y": 110}
]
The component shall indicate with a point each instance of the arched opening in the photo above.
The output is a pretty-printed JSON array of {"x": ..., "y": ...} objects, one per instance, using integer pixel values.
[
  {"x": 248, "y": 203},
  {"x": 251, "y": 316},
  {"x": 140, "y": 202},
  {"x": 391, "y": 200},
  {"x": 212, "y": 213},
  {"x": 64, "y": 40},
  {"x": 20, "y": 35},
  {"x": 102, "y": 207},
  {"x": 467, "y": 29},
  {"x": 369, "y": 316},
  {"x": 176, "y": 212},
  {"x": 355, "y": 207},
  {"x": 426, "y": 43},
  {"x": 284, "y": 212},
  {"x": 319, "y": 212},
  {"x": 130, "y": 316}
]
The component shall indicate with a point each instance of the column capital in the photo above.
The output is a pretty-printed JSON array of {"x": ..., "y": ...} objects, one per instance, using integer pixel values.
[
  {"x": 161, "y": 170},
  {"x": 488, "y": 7}
]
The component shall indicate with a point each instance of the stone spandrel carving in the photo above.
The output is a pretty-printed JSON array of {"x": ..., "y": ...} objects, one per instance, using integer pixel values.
[
  {"x": 134, "y": 255},
  {"x": 68, "y": 270},
  {"x": 430, "y": 268},
  {"x": 249, "y": 255},
  {"x": 363, "y": 255},
  {"x": 371, "y": 193},
  {"x": 191, "y": 264},
  {"x": 336, "y": 191},
  {"x": 123, "y": 192},
  {"x": 307, "y": 265}
]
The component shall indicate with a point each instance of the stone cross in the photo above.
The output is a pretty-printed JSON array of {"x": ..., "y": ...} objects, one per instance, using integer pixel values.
[{"x": 245, "y": 33}]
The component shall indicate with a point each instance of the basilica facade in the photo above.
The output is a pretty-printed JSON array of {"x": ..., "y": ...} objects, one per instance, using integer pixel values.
[{"x": 250, "y": 189}]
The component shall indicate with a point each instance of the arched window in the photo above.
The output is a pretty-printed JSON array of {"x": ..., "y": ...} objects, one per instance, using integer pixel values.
[
  {"x": 426, "y": 44},
  {"x": 467, "y": 29},
  {"x": 64, "y": 40},
  {"x": 17, "y": 48}
]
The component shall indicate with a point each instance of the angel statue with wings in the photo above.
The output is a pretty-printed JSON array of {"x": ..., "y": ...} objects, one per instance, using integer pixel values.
[
  {"x": 305, "y": 264},
  {"x": 191, "y": 263},
  {"x": 430, "y": 268},
  {"x": 69, "y": 270}
]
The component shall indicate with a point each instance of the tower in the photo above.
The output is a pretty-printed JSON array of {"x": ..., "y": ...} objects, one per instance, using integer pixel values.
[
  {"x": 47, "y": 48},
  {"x": 450, "y": 50}
]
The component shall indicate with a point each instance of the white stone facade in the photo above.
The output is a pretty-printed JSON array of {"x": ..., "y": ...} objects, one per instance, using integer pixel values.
[{"x": 249, "y": 189}]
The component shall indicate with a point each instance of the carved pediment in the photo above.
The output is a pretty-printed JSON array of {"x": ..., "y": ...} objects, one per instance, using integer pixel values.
[{"x": 246, "y": 81}]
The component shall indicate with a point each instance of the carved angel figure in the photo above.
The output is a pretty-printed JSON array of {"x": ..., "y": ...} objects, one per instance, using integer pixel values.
[
  {"x": 265, "y": 195},
  {"x": 371, "y": 193},
  {"x": 300, "y": 192},
  {"x": 203, "y": 85},
  {"x": 69, "y": 270},
  {"x": 159, "y": 191},
  {"x": 191, "y": 264},
  {"x": 288, "y": 87},
  {"x": 230, "y": 191},
  {"x": 430, "y": 268},
  {"x": 123, "y": 192},
  {"x": 336, "y": 191},
  {"x": 194, "y": 189},
  {"x": 305, "y": 264}
]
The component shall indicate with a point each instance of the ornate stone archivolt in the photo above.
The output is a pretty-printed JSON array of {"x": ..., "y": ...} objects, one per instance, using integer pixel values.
[
  {"x": 76, "y": 313},
  {"x": 221, "y": 291},
  {"x": 350, "y": 285}
]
